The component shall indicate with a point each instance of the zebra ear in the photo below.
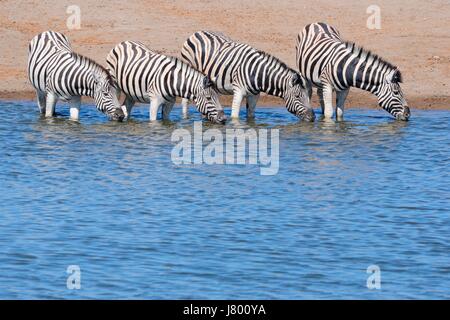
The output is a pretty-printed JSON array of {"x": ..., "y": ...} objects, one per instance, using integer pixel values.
[
  {"x": 395, "y": 76},
  {"x": 207, "y": 83},
  {"x": 297, "y": 79},
  {"x": 97, "y": 77}
]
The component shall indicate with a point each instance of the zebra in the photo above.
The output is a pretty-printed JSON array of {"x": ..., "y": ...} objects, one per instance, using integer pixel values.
[
  {"x": 245, "y": 72},
  {"x": 147, "y": 76},
  {"x": 58, "y": 73},
  {"x": 331, "y": 64}
]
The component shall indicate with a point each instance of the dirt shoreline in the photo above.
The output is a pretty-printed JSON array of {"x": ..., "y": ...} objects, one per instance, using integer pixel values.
[
  {"x": 414, "y": 35},
  {"x": 357, "y": 101}
]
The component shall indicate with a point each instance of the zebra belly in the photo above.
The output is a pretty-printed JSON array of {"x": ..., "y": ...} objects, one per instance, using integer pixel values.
[
  {"x": 226, "y": 90},
  {"x": 138, "y": 94},
  {"x": 65, "y": 98},
  {"x": 138, "y": 98},
  {"x": 316, "y": 83},
  {"x": 223, "y": 82}
]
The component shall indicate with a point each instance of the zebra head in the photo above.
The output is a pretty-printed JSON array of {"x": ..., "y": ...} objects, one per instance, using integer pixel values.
[
  {"x": 105, "y": 97},
  {"x": 297, "y": 98},
  {"x": 207, "y": 101},
  {"x": 390, "y": 96}
]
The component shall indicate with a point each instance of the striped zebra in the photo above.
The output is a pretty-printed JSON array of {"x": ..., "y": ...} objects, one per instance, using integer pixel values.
[
  {"x": 331, "y": 64},
  {"x": 147, "y": 76},
  {"x": 245, "y": 72},
  {"x": 58, "y": 73}
]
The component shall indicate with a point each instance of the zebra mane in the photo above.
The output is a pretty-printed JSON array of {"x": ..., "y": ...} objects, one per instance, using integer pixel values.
[
  {"x": 268, "y": 55},
  {"x": 96, "y": 66},
  {"x": 174, "y": 59},
  {"x": 160, "y": 52},
  {"x": 367, "y": 54},
  {"x": 177, "y": 60}
]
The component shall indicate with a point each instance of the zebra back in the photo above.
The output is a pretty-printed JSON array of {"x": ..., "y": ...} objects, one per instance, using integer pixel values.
[{"x": 231, "y": 62}]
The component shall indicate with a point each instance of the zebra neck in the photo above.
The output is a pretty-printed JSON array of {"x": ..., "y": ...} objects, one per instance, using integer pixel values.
[
  {"x": 83, "y": 86},
  {"x": 186, "y": 80},
  {"x": 89, "y": 89},
  {"x": 80, "y": 76},
  {"x": 270, "y": 77},
  {"x": 362, "y": 74}
]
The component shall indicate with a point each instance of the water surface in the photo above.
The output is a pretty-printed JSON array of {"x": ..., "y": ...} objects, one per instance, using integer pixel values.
[{"x": 106, "y": 196}]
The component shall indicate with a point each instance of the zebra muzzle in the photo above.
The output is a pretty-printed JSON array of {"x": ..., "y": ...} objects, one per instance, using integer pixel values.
[
  {"x": 221, "y": 117},
  {"x": 117, "y": 115},
  {"x": 404, "y": 116},
  {"x": 308, "y": 115}
]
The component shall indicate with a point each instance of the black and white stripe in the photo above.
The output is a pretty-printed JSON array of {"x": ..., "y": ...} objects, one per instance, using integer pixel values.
[
  {"x": 58, "y": 73},
  {"x": 147, "y": 76},
  {"x": 331, "y": 64},
  {"x": 243, "y": 71}
]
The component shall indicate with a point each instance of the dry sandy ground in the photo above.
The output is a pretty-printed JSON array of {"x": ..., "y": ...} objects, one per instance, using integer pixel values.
[{"x": 414, "y": 34}]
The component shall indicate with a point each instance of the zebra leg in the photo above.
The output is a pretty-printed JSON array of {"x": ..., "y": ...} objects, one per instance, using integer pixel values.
[
  {"x": 328, "y": 101},
  {"x": 340, "y": 100},
  {"x": 185, "y": 107},
  {"x": 75, "y": 103},
  {"x": 155, "y": 105},
  {"x": 41, "y": 101},
  {"x": 322, "y": 104},
  {"x": 50, "y": 104},
  {"x": 309, "y": 89},
  {"x": 166, "y": 109},
  {"x": 129, "y": 104},
  {"x": 236, "y": 105},
  {"x": 251, "y": 105}
]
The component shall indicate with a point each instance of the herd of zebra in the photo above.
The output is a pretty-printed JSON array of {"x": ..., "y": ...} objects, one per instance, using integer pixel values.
[{"x": 212, "y": 64}]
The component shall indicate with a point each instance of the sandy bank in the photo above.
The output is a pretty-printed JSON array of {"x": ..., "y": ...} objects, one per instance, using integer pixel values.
[{"x": 414, "y": 35}]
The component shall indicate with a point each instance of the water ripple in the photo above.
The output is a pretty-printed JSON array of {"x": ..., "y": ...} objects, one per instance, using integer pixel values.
[{"x": 106, "y": 196}]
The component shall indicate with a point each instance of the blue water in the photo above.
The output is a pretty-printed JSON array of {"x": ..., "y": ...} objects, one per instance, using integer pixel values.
[{"x": 106, "y": 196}]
